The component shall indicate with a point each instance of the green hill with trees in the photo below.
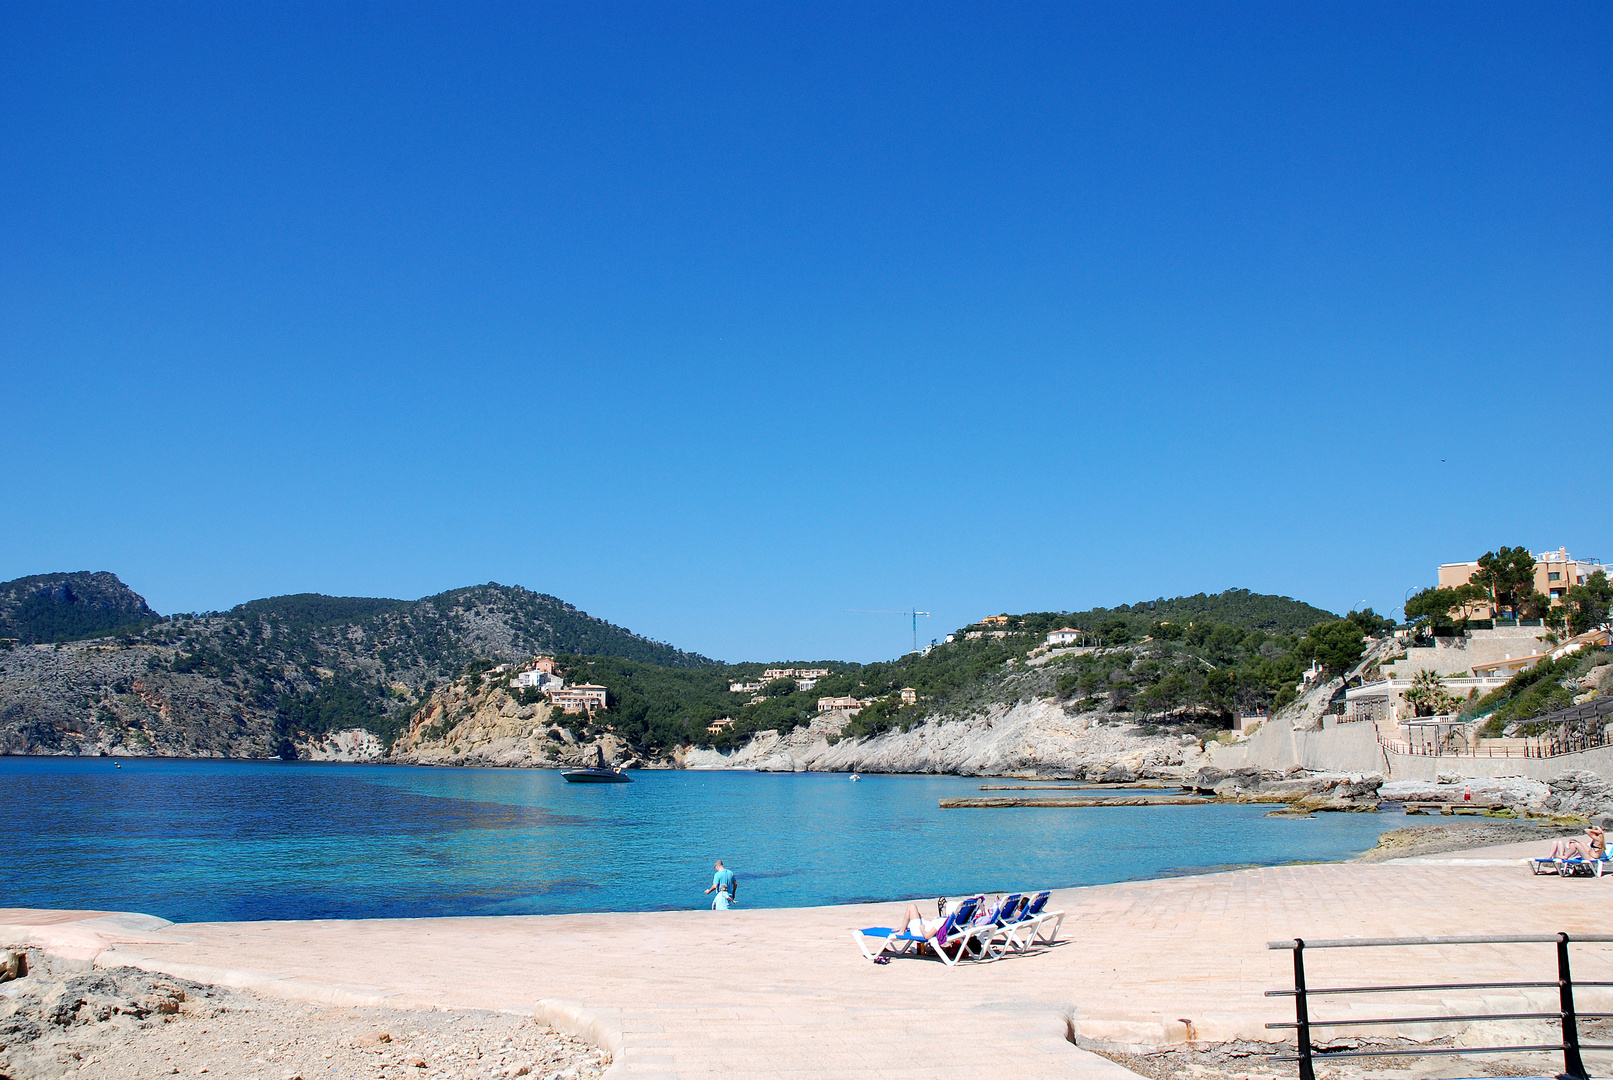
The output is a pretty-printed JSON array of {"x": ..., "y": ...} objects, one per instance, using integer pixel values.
[
  {"x": 1193, "y": 658},
  {"x": 306, "y": 664},
  {"x": 46, "y": 608}
]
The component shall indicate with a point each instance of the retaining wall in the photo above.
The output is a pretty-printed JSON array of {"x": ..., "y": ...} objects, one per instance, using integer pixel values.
[
  {"x": 1349, "y": 748},
  {"x": 1354, "y": 748}
]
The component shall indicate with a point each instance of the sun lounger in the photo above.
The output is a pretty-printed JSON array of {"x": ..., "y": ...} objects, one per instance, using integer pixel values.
[
  {"x": 1035, "y": 925},
  {"x": 979, "y": 936},
  {"x": 1578, "y": 865},
  {"x": 898, "y": 942}
]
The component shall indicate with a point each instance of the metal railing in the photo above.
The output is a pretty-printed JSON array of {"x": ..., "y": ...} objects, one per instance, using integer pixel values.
[
  {"x": 1533, "y": 747},
  {"x": 1405, "y": 749},
  {"x": 1570, "y": 1046}
]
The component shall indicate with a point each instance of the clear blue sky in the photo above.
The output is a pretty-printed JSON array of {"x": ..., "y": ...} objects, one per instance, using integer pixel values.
[{"x": 718, "y": 321}]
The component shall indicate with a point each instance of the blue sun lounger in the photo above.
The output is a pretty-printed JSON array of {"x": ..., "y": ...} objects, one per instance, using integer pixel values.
[
  {"x": 983, "y": 936},
  {"x": 898, "y": 942},
  {"x": 1577, "y": 866},
  {"x": 1033, "y": 920}
]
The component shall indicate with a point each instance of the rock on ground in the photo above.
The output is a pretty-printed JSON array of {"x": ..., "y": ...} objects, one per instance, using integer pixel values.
[{"x": 125, "y": 1024}]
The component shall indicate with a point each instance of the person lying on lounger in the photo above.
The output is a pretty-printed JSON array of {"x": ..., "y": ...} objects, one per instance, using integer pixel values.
[
  {"x": 1572, "y": 847},
  {"x": 917, "y": 925}
]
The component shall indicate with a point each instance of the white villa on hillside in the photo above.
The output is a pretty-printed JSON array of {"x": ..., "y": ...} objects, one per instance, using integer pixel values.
[
  {"x": 538, "y": 680},
  {"x": 1067, "y": 635}
]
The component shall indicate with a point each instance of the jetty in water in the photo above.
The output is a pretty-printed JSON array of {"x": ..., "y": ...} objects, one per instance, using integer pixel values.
[{"x": 1137, "y": 785}]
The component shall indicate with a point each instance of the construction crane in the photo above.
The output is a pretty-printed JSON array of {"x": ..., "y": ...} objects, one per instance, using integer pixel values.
[{"x": 912, "y": 613}]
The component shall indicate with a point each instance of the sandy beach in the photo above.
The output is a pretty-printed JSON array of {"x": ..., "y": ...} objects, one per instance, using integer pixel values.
[{"x": 784, "y": 992}]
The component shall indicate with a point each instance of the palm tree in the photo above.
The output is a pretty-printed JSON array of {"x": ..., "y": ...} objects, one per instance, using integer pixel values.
[{"x": 1427, "y": 694}]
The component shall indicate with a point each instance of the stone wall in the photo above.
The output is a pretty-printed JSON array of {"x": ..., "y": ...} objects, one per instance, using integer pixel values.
[
  {"x": 1355, "y": 748},
  {"x": 1412, "y": 767},
  {"x": 1456, "y": 655},
  {"x": 1346, "y": 748}
]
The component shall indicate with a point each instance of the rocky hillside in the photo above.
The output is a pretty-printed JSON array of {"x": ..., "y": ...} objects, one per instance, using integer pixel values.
[
  {"x": 475, "y": 721},
  {"x": 357, "y": 678},
  {"x": 62, "y": 607},
  {"x": 107, "y": 697},
  {"x": 1035, "y": 738},
  {"x": 271, "y": 677}
]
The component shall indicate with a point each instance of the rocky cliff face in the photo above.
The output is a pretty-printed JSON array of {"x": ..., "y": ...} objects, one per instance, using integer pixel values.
[
  {"x": 97, "y": 698},
  {"x": 1035, "y": 738},
  {"x": 471, "y": 723}
]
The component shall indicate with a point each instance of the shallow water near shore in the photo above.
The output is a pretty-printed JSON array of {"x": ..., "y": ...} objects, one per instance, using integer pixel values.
[{"x": 221, "y": 840}]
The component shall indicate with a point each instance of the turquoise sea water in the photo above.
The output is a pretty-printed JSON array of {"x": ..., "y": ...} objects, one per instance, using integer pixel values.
[{"x": 203, "y": 840}]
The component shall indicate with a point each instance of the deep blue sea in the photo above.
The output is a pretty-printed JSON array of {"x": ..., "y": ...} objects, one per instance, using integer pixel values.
[{"x": 205, "y": 840}]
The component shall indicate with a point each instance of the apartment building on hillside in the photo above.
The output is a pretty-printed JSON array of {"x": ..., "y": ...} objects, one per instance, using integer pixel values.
[
  {"x": 583, "y": 696},
  {"x": 1555, "y": 573},
  {"x": 805, "y": 678}
]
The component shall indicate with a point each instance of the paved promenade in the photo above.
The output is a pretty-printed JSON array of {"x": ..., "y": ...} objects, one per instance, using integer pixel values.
[{"x": 784, "y": 993}]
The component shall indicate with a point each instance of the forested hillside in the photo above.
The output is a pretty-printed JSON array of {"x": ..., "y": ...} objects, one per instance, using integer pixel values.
[
  {"x": 1195, "y": 657},
  {"x": 63, "y": 607},
  {"x": 265, "y": 674},
  {"x": 270, "y": 675},
  {"x": 1237, "y": 608}
]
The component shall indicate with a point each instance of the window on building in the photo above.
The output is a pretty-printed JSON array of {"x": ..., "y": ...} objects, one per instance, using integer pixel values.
[
  {"x": 1556, "y": 594},
  {"x": 1554, "y": 576}
]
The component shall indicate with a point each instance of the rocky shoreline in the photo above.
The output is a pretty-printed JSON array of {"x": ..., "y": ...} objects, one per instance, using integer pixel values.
[{"x": 63, "y": 1018}]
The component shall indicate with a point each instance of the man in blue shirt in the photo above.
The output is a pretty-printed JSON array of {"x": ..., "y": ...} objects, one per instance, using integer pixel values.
[{"x": 725, "y": 886}]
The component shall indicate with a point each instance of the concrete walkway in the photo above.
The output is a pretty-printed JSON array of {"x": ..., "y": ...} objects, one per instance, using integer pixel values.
[{"x": 784, "y": 992}]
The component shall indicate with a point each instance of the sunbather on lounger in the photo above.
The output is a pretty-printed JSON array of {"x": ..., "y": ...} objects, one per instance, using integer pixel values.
[
  {"x": 1572, "y": 847},
  {"x": 917, "y": 925}
]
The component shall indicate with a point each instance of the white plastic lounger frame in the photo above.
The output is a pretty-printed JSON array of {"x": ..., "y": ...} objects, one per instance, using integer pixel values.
[
  {"x": 983, "y": 933},
  {"x": 1036, "y": 927},
  {"x": 1569, "y": 867},
  {"x": 898, "y": 942}
]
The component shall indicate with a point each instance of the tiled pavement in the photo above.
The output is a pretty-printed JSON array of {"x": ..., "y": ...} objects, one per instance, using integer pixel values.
[{"x": 784, "y": 993}]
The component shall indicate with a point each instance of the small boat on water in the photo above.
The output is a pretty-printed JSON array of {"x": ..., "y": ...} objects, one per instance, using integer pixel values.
[
  {"x": 855, "y": 778},
  {"x": 596, "y": 774}
]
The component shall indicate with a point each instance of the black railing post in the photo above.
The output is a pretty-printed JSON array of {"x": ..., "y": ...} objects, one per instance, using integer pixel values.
[
  {"x": 1302, "y": 1014},
  {"x": 1573, "y": 1067}
]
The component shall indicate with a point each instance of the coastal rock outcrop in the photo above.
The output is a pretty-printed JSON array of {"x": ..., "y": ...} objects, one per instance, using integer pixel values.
[
  {"x": 1583, "y": 794},
  {"x": 470, "y": 722},
  {"x": 1517, "y": 792},
  {"x": 1304, "y": 790},
  {"x": 353, "y": 744},
  {"x": 1029, "y": 738}
]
